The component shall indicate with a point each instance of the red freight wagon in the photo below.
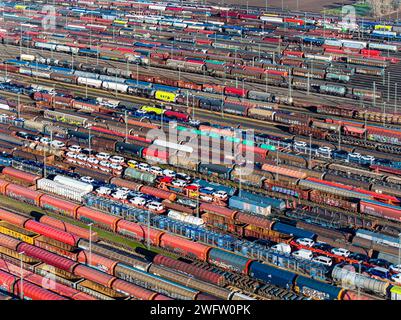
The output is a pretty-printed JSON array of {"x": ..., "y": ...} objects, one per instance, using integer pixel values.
[
  {"x": 215, "y": 88},
  {"x": 65, "y": 226},
  {"x": 248, "y": 16},
  {"x": 177, "y": 115},
  {"x": 130, "y": 229},
  {"x": 295, "y": 21},
  {"x": 153, "y": 235},
  {"x": 60, "y": 206},
  {"x": 276, "y": 72},
  {"x": 99, "y": 262},
  {"x": 381, "y": 132},
  {"x": 293, "y": 53},
  {"x": 187, "y": 268},
  {"x": 189, "y": 85},
  {"x": 119, "y": 134},
  {"x": 34, "y": 292},
  {"x": 12, "y": 218},
  {"x": 370, "y": 52},
  {"x": 272, "y": 40},
  {"x": 47, "y": 257},
  {"x": 20, "y": 175},
  {"x": 385, "y": 169},
  {"x": 237, "y": 92},
  {"x": 229, "y": 13},
  {"x": 380, "y": 209},
  {"x": 24, "y": 194},
  {"x": 206, "y": 31},
  {"x": 126, "y": 50},
  {"x": 174, "y": 9},
  {"x": 94, "y": 275},
  {"x": 184, "y": 246},
  {"x": 255, "y": 150},
  {"x": 372, "y": 194},
  {"x": 51, "y": 232},
  {"x": 203, "y": 41},
  {"x": 89, "y": 215}
]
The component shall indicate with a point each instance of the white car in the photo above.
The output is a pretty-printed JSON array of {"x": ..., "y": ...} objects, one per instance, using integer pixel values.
[
  {"x": 116, "y": 159},
  {"x": 194, "y": 123},
  {"x": 221, "y": 195},
  {"x": 341, "y": 252},
  {"x": 123, "y": 189},
  {"x": 143, "y": 166},
  {"x": 104, "y": 191},
  {"x": 103, "y": 156},
  {"x": 104, "y": 166},
  {"x": 183, "y": 176},
  {"x": 300, "y": 144},
  {"x": 87, "y": 179},
  {"x": 354, "y": 155},
  {"x": 75, "y": 148},
  {"x": 323, "y": 260},
  {"x": 396, "y": 277},
  {"x": 303, "y": 254},
  {"x": 368, "y": 158},
  {"x": 45, "y": 140},
  {"x": 116, "y": 167},
  {"x": 169, "y": 173},
  {"x": 156, "y": 170},
  {"x": 282, "y": 247},
  {"x": 324, "y": 149},
  {"x": 179, "y": 183},
  {"x": 155, "y": 206},
  {"x": 119, "y": 195},
  {"x": 305, "y": 242},
  {"x": 82, "y": 157},
  {"x": 56, "y": 144},
  {"x": 104, "y": 163},
  {"x": 70, "y": 154},
  {"x": 138, "y": 201},
  {"x": 395, "y": 268},
  {"x": 92, "y": 160},
  {"x": 206, "y": 197}
]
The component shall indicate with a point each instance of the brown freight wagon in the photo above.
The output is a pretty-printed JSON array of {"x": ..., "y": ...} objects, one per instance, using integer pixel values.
[
  {"x": 306, "y": 131},
  {"x": 333, "y": 201},
  {"x": 347, "y": 181},
  {"x": 325, "y": 232}
]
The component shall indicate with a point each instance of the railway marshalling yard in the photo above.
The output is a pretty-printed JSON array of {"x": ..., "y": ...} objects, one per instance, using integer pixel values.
[{"x": 113, "y": 213}]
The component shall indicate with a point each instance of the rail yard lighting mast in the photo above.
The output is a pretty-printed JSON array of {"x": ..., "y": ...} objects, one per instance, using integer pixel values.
[
  {"x": 310, "y": 150},
  {"x": 89, "y": 138},
  {"x": 21, "y": 274},
  {"x": 126, "y": 125},
  {"x": 388, "y": 87},
  {"x": 90, "y": 243}
]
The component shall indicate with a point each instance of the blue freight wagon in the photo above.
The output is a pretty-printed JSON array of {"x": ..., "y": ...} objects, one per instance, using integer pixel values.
[
  {"x": 281, "y": 278},
  {"x": 317, "y": 290},
  {"x": 274, "y": 203},
  {"x": 293, "y": 231}
]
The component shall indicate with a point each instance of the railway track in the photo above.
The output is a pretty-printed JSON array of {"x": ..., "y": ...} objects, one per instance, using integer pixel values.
[
  {"x": 11, "y": 51},
  {"x": 217, "y": 117},
  {"x": 236, "y": 282},
  {"x": 259, "y": 291}
]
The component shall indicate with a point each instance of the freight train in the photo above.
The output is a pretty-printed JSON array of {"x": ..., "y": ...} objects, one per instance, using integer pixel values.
[{"x": 224, "y": 259}]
